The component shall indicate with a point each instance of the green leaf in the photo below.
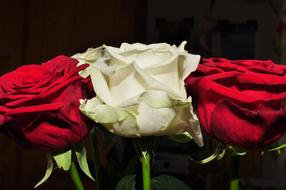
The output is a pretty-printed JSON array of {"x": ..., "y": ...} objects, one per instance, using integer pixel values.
[
  {"x": 233, "y": 151},
  {"x": 63, "y": 160},
  {"x": 165, "y": 182},
  {"x": 48, "y": 170},
  {"x": 126, "y": 183},
  {"x": 82, "y": 160}
]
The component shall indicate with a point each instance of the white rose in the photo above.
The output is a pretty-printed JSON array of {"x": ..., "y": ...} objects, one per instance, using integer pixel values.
[{"x": 140, "y": 89}]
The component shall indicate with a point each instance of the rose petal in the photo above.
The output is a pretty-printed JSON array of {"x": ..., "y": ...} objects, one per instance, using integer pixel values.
[{"x": 153, "y": 121}]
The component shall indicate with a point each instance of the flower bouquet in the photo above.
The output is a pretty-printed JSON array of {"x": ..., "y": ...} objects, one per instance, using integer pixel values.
[{"x": 141, "y": 92}]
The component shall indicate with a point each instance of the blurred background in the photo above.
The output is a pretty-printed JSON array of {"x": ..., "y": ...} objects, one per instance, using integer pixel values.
[{"x": 34, "y": 31}]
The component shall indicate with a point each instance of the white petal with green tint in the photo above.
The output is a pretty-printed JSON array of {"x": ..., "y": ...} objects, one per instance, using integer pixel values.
[
  {"x": 153, "y": 84},
  {"x": 190, "y": 64},
  {"x": 127, "y": 127},
  {"x": 167, "y": 74},
  {"x": 88, "y": 57},
  {"x": 145, "y": 59},
  {"x": 188, "y": 120},
  {"x": 159, "y": 47},
  {"x": 153, "y": 121},
  {"x": 100, "y": 85},
  {"x": 100, "y": 112},
  {"x": 194, "y": 128},
  {"x": 115, "y": 57},
  {"x": 125, "y": 84},
  {"x": 157, "y": 99}
]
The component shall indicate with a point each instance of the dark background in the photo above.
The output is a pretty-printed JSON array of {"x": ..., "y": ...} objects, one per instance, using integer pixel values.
[{"x": 34, "y": 31}]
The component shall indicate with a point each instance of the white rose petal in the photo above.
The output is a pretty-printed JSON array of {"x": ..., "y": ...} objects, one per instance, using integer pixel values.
[
  {"x": 153, "y": 121},
  {"x": 100, "y": 85},
  {"x": 88, "y": 57}
]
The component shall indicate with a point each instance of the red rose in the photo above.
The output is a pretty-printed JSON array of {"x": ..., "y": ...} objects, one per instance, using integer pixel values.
[
  {"x": 240, "y": 102},
  {"x": 39, "y": 104}
]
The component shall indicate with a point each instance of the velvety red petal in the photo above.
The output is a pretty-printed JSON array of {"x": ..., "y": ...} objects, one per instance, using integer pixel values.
[
  {"x": 240, "y": 102},
  {"x": 42, "y": 110}
]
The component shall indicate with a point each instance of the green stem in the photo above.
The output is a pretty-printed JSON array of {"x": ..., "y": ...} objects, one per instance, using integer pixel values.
[
  {"x": 75, "y": 177},
  {"x": 96, "y": 159},
  {"x": 145, "y": 163},
  {"x": 234, "y": 183}
]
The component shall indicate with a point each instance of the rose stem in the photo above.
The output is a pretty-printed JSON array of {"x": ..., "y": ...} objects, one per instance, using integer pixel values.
[
  {"x": 234, "y": 183},
  {"x": 75, "y": 177},
  {"x": 96, "y": 159},
  {"x": 145, "y": 163}
]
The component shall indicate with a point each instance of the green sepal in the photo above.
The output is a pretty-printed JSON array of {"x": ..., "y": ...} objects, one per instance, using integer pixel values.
[
  {"x": 221, "y": 155},
  {"x": 277, "y": 148},
  {"x": 144, "y": 156},
  {"x": 235, "y": 151},
  {"x": 80, "y": 153},
  {"x": 212, "y": 157},
  {"x": 63, "y": 159},
  {"x": 141, "y": 147},
  {"x": 49, "y": 170},
  {"x": 182, "y": 138}
]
